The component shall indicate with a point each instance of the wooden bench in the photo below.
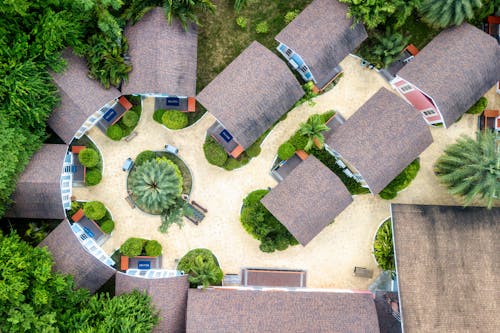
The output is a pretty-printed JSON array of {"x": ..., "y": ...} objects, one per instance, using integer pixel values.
[
  {"x": 131, "y": 136},
  {"x": 363, "y": 272},
  {"x": 130, "y": 201},
  {"x": 194, "y": 203}
]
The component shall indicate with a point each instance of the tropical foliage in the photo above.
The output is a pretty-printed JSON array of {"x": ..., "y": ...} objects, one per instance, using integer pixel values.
[
  {"x": 286, "y": 150},
  {"x": 312, "y": 130},
  {"x": 173, "y": 215},
  {"x": 155, "y": 185},
  {"x": 33, "y": 298},
  {"x": 471, "y": 168},
  {"x": 383, "y": 248},
  {"x": 442, "y": 14},
  {"x": 202, "y": 267},
  {"x": 388, "y": 46},
  {"x": 262, "y": 225},
  {"x": 187, "y": 10},
  {"x": 479, "y": 106},
  {"x": 134, "y": 247}
]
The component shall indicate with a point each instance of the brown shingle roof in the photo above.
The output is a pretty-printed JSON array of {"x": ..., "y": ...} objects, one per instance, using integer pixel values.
[
  {"x": 163, "y": 56},
  {"x": 272, "y": 277},
  {"x": 219, "y": 310},
  {"x": 456, "y": 68},
  {"x": 169, "y": 296},
  {"x": 80, "y": 97},
  {"x": 70, "y": 257},
  {"x": 447, "y": 262},
  {"x": 38, "y": 190},
  {"x": 309, "y": 198},
  {"x": 381, "y": 138},
  {"x": 251, "y": 93},
  {"x": 323, "y": 36}
]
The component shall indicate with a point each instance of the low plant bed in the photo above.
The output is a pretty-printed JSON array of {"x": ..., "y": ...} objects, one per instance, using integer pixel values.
[
  {"x": 383, "y": 248},
  {"x": 134, "y": 247},
  {"x": 263, "y": 226},
  {"x": 128, "y": 122},
  {"x": 95, "y": 211},
  {"x": 402, "y": 181},
  {"x": 91, "y": 159},
  {"x": 202, "y": 267}
]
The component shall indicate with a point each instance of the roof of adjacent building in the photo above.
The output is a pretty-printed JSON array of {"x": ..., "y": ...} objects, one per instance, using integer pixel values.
[
  {"x": 323, "y": 36},
  {"x": 251, "y": 93},
  {"x": 381, "y": 138},
  {"x": 169, "y": 296},
  {"x": 81, "y": 97},
  {"x": 447, "y": 265},
  {"x": 456, "y": 68},
  {"x": 163, "y": 56},
  {"x": 38, "y": 189},
  {"x": 70, "y": 257},
  {"x": 269, "y": 277},
  {"x": 383, "y": 303},
  {"x": 231, "y": 310},
  {"x": 308, "y": 199}
]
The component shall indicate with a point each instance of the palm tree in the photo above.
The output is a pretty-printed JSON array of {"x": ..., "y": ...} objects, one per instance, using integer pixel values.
[
  {"x": 471, "y": 168},
  {"x": 204, "y": 272},
  {"x": 445, "y": 13},
  {"x": 389, "y": 46},
  {"x": 187, "y": 10},
  {"x": 312, "y": 129},
  {"x": 155, "y": 185}
]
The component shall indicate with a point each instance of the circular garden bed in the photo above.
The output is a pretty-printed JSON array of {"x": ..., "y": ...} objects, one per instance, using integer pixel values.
[{"x": 383, "y": 248}]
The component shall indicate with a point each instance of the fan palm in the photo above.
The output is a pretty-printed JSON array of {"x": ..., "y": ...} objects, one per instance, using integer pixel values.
[
  {"x": 155, "y": 185},
  {"x": 187, "y": 10},
  {"x": 204, "y": 272},
  {"x": 471, "y": 168},
  {"x": 445, "y": 13},
  {"x": 312, "y": 130},
  {"x": 389, "y": 46}
]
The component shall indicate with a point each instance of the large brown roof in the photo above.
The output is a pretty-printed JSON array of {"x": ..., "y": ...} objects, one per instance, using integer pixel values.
[
  {"x": 381, "y": 138},
  {"x": 269, "y": 277},
  {"x": 38, "y": 189},
  {"x": 169, "y": 296},
  {"x": 70, "y": 257},
  {"x": 226, "y": 310},
  {"x": 447, "y": 260},
  {"x": 163, "y": 56},
  {"x": 323, "y": 36},
  {"x": 456, "y": 68},
  {"x": 309, "y": 198},
  {"x": 251, "y": 93},
  {"x": 80, "y": 97}
]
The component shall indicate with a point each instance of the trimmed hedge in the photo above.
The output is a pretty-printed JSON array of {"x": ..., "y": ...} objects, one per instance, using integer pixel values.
[
  {"x": 401, "y": 182},
  {"x": 94, "y": 210},
  {"x": 130, "y": 119},
  {"x": 158, "y": 114},
  {"x": 174, "y": 119},
  {"x": 114, "y": 132},
  {"x": 214, "y": 153},
  {"x": 88, "y": 157},
  {"x": 144, "y": 156},
  {"x": 262, "y": 225},
  {"x": 107, "y": 226},
  {"x": 133, "y": 247},
  {"x": 479, "y": 106},
  {"x": 153, "y": 248},
  {"x": 93, "y": 177},
  {"x": 286, "y": 150}
]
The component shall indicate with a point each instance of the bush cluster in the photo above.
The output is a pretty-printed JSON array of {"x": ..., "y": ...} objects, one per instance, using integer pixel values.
[
  {"x": 94, "y": 210},
  {"x": 262, "y": 28},
  {"x": 479, "y": 106},
  {"x": 262, "y": 225},
  {"x": 144, "y": 156},
  {"x": 401, "y": 182},
  {"x": 286, "y": 150},
  {"x": 254, "y": 150},
  {"x": 88, "y": 157},
  {"x": 130, "y": 119},
  {"x": 93, "y": 177},
  {"x": 174, "y": 119},
  {"x": 114, "y": 132},
  {"x": 214, "y": 153},
  {"x": 135, "y": 246},
  {"x": 202, "y": 267},
  {"x": 298, "y": 141},
  {"x": 158, "y": 114},
  {"x": 107, "y": 226}
]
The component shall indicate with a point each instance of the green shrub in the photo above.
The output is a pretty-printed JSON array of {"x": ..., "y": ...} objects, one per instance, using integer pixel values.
[
  {"x": 130, "y": 119},
  {"x": 479, "y": 106},
  {"x": 254, "y": 150},
  {"x": 158, "y": 114},
  {"x": 134, "y": 99},
  {"x": 174, "y": 119},
  {"x": 214, "y": 153},
  {"x": 107, "y": 226},
  {"x": 383, "y": 247},
  {"x": 133, "y": 247},
  {"x": 114, "y": 132},
  {"x": 88, "y": 157},
  {"x": 327, "y": 115},
  {"x": 144, "y": 156},
  {"x": 75, "y": 206},
  {"x": 262, "y": 28},
  {"x": 262, "y": 225},
  {"x": 286, "y": 150},
  {"x": 241, "y": 22},
  {"x": 291, "y": 15},
  {"x": 401, "y": 182},
  {"x": 153, "y": 248},
  {"x": 94, "y": 210},
  {"x": 298, "y": 141},
  {"x": 202, "y": 267},
  {"x": 93, "y": 177}
]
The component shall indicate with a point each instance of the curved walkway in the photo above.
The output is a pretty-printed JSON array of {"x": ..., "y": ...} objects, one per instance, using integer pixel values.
[{"x": 329, "y": 258}]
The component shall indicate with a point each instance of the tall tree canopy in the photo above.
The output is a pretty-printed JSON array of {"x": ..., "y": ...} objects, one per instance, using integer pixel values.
[{"x": 445, "y": 13}]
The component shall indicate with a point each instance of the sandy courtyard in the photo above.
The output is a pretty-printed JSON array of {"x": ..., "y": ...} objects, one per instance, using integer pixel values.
[{"x": 329, "y": 258}]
